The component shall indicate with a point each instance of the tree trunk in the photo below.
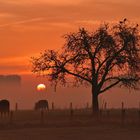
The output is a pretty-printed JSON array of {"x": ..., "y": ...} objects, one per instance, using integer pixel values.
[{"x": 95, "y": 104}]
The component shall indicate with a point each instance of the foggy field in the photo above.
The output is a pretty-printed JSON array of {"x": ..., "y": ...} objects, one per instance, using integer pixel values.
[{"x": 60, "y": 125}]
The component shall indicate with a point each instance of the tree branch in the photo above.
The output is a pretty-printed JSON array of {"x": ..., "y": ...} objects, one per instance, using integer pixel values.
[
  {"x": 79, "y": 76},
  {"x": 101, "y": 64},
  {"x": 108, "y": 64},
  {"x": 110, "y": 86}
]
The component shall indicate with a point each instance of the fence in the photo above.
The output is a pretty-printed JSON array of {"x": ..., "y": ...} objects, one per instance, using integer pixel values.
[{"x": 122, "y": 115}]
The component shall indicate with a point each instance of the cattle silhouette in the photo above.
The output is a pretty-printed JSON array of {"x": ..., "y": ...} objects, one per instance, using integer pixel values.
[
  {"x": 42, "y": 105},
  {"x": 4, "y": 107}
]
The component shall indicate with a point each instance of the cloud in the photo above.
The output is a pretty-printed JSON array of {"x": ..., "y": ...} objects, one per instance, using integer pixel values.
[
  {"x": 63, "y": 11},
  {"x": 15, "y": 69},
  {"x": 49, "y": 2},
  {"x": 30, "y": 26},
  {"x": 22, "y": 22},
  {"x": 6, "y": 15}
]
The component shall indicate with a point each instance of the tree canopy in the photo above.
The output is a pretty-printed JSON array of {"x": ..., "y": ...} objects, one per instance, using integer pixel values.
[{"x": 103, "y": 58}]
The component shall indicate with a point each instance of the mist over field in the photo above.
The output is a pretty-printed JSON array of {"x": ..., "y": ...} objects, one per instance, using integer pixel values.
[{"x": 25, "y": 93}]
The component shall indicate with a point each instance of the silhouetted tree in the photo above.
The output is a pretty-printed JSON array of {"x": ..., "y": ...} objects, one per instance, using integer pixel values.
[{"x": 103, "y": 59}]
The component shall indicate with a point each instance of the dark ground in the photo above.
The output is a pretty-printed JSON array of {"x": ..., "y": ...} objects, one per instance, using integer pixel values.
[{"x": 59, "y": 125}]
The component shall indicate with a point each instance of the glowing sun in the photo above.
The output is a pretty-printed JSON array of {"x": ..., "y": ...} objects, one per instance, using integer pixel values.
[{"x": 41, "y": 87}]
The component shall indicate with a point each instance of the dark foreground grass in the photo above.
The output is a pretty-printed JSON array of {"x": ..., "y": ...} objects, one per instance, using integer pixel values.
[{"x": 60, "y": 125}]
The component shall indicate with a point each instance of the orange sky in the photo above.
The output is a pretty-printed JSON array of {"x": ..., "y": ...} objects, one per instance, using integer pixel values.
[{"x": 28, "y": 27}]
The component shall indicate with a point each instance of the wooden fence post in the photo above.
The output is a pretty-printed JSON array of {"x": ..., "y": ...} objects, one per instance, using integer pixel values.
[
  {"x": 16, "y": 107},
  {"x": 102, "y": 105},
  {"x": 52, "y": 105},
  {"x": 105, "y": 106},
  {"x": 100, "y": 113},
  {"x": 107, "y": 110},
  {"x": 139, "y": 111},
  {"x": 123, "y": 111},
  {"x": 71, "y": 109}
]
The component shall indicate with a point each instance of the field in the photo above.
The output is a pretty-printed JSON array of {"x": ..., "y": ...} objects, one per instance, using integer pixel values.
[{"x": 67, "y": 125}]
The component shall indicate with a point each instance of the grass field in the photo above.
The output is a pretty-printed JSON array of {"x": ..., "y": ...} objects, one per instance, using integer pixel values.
[{"x": 60, "y": 125}]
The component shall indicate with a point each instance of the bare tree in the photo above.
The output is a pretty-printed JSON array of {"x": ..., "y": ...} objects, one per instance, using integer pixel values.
[{"x": 102, "y": 59}]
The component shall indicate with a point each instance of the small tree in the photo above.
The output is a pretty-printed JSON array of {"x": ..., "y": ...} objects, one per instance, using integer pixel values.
[{"x": 102, "y": 59}]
